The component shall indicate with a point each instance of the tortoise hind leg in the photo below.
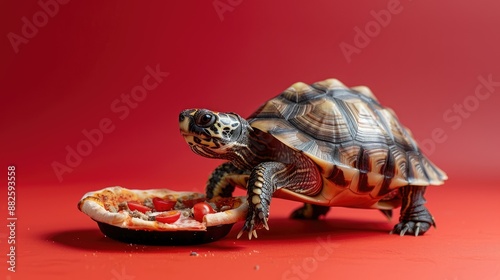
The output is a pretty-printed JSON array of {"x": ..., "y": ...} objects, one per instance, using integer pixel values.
[
  {"x": 387, "y": 213},
  {"x": 415, "y": 219},
  {"x": 309, "y": 212}
]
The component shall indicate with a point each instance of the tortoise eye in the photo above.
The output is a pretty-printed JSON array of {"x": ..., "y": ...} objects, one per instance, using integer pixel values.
[{"x": 205, "y": 120}]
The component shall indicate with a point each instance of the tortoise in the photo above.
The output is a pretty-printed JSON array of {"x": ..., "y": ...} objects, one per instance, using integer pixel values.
[{"x": 323, "y": 144}]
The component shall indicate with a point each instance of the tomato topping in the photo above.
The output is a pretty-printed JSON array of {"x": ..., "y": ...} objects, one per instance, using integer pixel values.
[
  {"x": 168, "y": 217},
  {"x": 201, "y": 209},
  {"x": 163, "y": 204},
  {"x": 137, "y": 206}
]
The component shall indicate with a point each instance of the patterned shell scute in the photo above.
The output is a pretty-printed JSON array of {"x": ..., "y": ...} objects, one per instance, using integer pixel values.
[{"x": 348, "y": 128}]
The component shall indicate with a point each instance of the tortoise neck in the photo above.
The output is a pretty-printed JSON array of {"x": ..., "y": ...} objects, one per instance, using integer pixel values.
[{"x": 258, "y": 146}]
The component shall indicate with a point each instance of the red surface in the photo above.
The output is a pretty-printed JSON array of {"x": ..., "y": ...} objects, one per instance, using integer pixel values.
[{"x": 426, "y": 62}]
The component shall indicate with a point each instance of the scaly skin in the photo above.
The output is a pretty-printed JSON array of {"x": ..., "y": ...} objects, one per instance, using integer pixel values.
[
  {"x": 224, "y": 179},
  {"x": 415, "y": 219},
  {"x": 261, "y": 186}
]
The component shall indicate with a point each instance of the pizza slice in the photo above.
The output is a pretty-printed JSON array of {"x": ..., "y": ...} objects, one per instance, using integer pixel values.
[{"x": 162, "y": 216}]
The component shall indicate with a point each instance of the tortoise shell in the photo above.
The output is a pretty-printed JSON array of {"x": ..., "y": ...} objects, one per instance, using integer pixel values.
[{"x": 359, "y": 145}]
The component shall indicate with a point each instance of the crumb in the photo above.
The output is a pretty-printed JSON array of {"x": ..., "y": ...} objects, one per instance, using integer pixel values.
[
  {"x": 256, "y": 267},
  {"x": 193, "y": 253}
]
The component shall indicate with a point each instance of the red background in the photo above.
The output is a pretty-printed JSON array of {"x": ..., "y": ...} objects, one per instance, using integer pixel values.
[{"x": 63, "y": 80}]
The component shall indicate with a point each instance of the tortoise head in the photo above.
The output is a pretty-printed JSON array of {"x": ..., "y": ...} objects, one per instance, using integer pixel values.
[{"x": 213, "y": 134}]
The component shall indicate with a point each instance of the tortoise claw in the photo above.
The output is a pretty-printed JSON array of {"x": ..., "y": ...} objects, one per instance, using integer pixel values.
[
  {"x": 264, "y": 224},
  {"x": 240, "y": 233},
  {"x": 411, "y": 228},
  {"x": 404, "y": 230},
  {"x": 254, "y": 221},
  {"x": 417, "y": 229},
  {"x": 251, "y": 232}
]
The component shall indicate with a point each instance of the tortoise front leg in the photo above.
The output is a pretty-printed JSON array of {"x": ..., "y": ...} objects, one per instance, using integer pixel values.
[
  {"x": 262, "y": 184},
  {"x": 265, "y": 179},
  {"x": 415, "y": 218},
  {"x": 224, "y": 179}
]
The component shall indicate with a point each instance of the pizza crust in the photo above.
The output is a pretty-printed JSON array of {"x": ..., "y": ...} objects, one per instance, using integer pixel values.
[{"x": 99, "y": 205}]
